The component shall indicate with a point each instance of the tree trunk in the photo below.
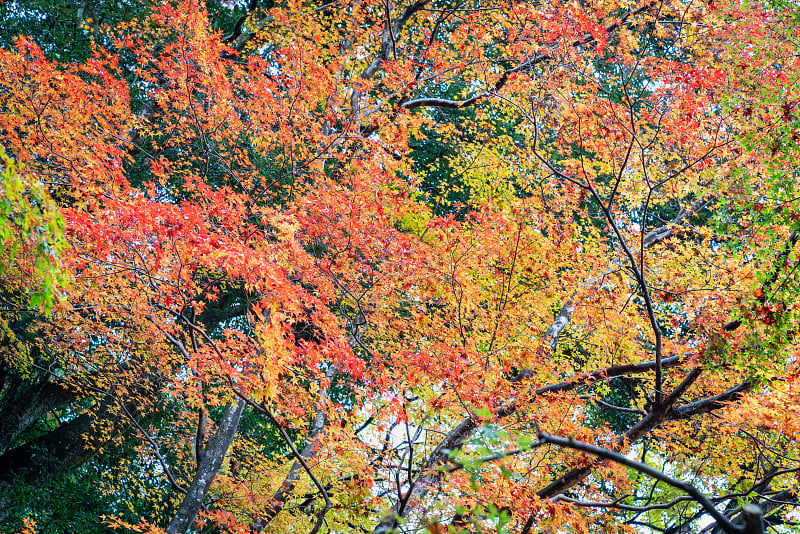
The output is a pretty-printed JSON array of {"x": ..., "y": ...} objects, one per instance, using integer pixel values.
[
  {"x": 25, "y": 403},
  {"x": 63, "y": 448},
  {"x": 210, "y": 462}
]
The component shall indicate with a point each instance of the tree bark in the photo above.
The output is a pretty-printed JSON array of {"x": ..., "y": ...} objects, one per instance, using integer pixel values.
[
  {"x": 25, "y": 403},
  {"x": 63, "y": 448},
  {"x": 70, "y": 445},
  {"x": 211, "y": 461}
]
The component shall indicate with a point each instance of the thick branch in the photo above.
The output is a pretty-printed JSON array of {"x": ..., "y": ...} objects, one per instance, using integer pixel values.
[
  {"x": 235, "y": 35},
  {"x": 655, "y": 417},
  {"x": 390, "y": 32},
  {"x": 657, "y": 235},
  {"x": 62, "y": 449},
  {"x": 73, "y": 443},
  {"x": 712, "y": 403},
  {"x": 608, "y": 372},
  {"x": 27, "y": 403}
]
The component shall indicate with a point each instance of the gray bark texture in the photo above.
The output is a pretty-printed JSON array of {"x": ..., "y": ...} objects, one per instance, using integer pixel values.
[{"x": 211, "y": 461}]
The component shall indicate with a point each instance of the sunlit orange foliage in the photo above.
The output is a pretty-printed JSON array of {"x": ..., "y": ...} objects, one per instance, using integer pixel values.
[{"x": 417, "y": 241}]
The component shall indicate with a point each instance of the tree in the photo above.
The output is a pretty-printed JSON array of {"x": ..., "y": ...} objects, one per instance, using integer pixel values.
[{"x": 383, "y": 267}]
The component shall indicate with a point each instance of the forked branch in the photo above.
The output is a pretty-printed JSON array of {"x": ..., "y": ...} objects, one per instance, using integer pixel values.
[{"x": 616, "y": 457}]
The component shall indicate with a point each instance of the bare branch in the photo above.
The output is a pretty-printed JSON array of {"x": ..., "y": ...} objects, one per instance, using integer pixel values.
[
  {"x": 390, "y": 33},
  {"x": 522, "y": 67},
  {"x": 607, "y": 454}
]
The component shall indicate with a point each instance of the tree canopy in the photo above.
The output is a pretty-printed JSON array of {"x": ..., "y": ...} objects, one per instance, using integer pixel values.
[{"x": 417, "y": 266}]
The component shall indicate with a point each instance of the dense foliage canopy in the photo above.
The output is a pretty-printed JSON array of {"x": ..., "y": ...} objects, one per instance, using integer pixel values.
[{"x": 399, "y": 266}]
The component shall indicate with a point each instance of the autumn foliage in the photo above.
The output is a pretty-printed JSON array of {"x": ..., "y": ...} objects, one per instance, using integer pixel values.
[{"x": 424, "y": 266}]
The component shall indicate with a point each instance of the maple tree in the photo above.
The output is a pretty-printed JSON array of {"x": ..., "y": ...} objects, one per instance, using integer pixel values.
[{"x": 400, "y": 267}]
